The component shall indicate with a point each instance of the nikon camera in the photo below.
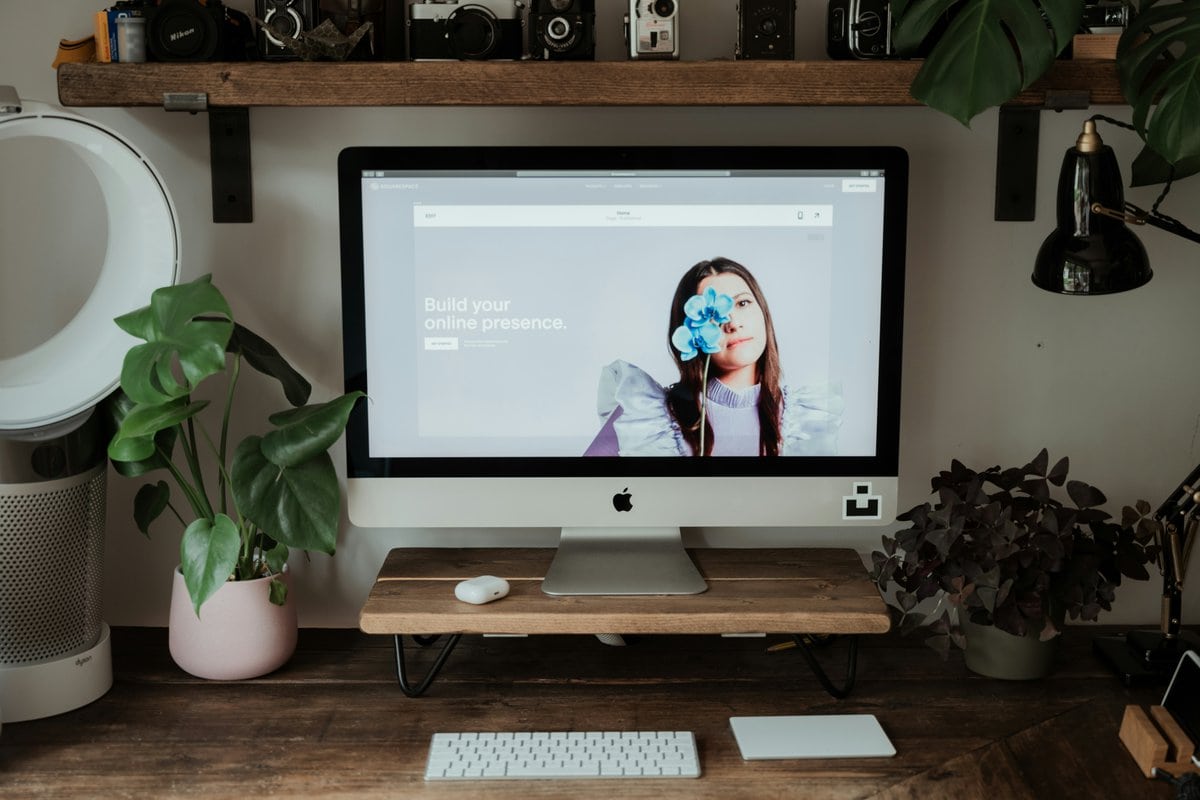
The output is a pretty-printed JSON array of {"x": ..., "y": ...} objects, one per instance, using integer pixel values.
[
  {"x": 563, "y": 30},
  {"x": 652, "y": 29},
  {"x": 478, "y": 29},
  {"x": 766, "y": 29}
]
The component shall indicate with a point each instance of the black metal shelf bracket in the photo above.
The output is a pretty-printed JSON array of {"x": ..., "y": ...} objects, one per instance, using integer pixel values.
[
  {"x": 229, "y": 154},
  {"x": 1017, "y": 153}
]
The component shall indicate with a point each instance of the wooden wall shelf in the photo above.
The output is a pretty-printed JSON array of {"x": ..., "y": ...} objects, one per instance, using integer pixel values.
[
  {"x": 229, "y": 89},
  {"x": 524, "y": 83}
]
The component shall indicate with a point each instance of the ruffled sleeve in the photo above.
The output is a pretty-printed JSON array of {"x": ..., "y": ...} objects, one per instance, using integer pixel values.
[
  {"x": 811, "y": 418},
  {"x": 645, "y": 426}
]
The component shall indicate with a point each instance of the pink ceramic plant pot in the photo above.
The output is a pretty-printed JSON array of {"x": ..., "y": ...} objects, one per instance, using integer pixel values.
[{"x": 239, "y": 634}]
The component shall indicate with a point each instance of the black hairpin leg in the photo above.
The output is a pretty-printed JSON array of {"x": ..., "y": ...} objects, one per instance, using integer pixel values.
[
  {"x": 851, "y": 666},
  {"x": 424, "y": 641}
]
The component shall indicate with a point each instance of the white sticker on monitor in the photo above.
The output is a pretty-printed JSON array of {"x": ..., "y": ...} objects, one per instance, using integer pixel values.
[{"x": 862, "y": 504}]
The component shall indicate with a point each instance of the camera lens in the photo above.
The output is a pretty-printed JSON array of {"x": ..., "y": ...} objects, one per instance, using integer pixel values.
[
  {"x": 768, "y": 26},
  {"x": 664, "y": 8},
  {"x": 558, "y": 29},
  {"x": 472, "y": 32},
  {"x": 282, "y": 23}
]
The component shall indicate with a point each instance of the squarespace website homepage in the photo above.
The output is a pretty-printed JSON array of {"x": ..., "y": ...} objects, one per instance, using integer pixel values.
[{"x": 495, "y": 304}]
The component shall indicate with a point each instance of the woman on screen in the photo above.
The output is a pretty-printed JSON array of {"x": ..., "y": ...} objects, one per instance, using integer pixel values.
[{"x": 744, "y": 411}]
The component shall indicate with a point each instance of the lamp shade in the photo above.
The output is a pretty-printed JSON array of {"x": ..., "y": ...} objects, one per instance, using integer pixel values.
[{"x": 1089, "y": 252}]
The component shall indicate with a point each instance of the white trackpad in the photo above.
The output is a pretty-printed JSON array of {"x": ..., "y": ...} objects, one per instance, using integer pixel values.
[{"x": 817, "y": 736}]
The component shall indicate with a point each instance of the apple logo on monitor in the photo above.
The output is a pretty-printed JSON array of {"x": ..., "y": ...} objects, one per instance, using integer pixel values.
[{"x": 623, "y": 500}]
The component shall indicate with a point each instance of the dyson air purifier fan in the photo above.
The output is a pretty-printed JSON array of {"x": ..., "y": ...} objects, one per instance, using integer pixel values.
[{"x": 54, "y": 648}]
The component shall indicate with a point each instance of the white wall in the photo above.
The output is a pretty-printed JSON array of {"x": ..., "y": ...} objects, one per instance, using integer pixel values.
[{"x": 994, "y": 369}]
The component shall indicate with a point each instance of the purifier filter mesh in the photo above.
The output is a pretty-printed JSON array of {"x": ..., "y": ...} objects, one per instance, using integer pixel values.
[{"x": 51, "y": 564}]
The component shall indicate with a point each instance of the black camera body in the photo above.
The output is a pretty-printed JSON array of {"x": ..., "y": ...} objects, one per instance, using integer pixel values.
[
  {"x": 766, "y": 29},
  {"x": 1104, "y": 16},
  {"x": 859, "y": 29},
  {"x": 282, "y": 18},
  {"x": 193, "y": 30},
  {"x": 562, "y": 30},
  {"x": 472, "y": 30}
]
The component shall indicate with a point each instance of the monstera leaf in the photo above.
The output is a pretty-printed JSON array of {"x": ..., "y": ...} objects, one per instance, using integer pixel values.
[
  {"x": 185, "y": 328},
  {"x": 1158, "y": 61},
  {"x": 989, "y": 51}
]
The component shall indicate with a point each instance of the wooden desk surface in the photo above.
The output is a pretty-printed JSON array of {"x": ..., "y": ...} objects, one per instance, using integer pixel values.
[
  {"x": 782, "y": 590},
  {"x": 332, "y": 723}
]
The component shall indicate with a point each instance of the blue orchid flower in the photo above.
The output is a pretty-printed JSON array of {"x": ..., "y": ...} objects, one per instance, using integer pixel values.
[
  {"x": 706, "y": 307},
  {"x": 704, "y": 337}
]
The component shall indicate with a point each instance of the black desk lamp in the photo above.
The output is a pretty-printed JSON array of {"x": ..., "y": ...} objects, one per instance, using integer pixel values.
[
  {"x": 1092, "y": 251},
  {"x": 1148, "y": 657}
]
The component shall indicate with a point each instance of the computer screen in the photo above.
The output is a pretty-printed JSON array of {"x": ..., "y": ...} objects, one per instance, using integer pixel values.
[{"x": 622, "y": 341}]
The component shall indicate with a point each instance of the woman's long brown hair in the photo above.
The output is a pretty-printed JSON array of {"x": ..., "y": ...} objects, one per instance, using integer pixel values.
[{"x": 685, "y": 397}]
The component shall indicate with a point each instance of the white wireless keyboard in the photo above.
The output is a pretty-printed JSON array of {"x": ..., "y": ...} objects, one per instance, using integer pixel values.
[{"x": 562, "y": 754}]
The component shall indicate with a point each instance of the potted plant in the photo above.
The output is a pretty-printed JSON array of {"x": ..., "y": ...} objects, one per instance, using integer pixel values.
[
  {"x": 987, "y": 51},
  {"x": 1003, "y": 561},
  {"x": 243, "y": 509}
]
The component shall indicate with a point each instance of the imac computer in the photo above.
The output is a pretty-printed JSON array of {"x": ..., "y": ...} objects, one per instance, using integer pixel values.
[{"x": 622, "y": 341}]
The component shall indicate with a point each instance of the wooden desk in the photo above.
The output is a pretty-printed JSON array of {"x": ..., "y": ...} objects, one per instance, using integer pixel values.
[{"x": 333, "y": 724}]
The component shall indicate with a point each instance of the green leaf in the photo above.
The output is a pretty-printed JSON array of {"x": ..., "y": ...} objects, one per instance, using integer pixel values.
[
  {"x": 186, "y": 328},
  {"x": 135, "y": 438},
  {"x": 207, "y": 556},
  {"x": 134, "y": 459},
  {"x": 276, "y": 557},
  {"x": 149, "y": 503},
  {"x": 1158, "y": 63},
  {"x": 1149, "y": 168},
  {"x": 298, "y": 506},
  {"x": 307, "y": 432},
  {"x": 989, "y": 52},
  {"x": 263, "y": 356},
  {"x": 278, "y": 592}
]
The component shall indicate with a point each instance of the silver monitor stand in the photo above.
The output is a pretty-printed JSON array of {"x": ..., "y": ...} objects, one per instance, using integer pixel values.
[{"x": 622, "y": 561}]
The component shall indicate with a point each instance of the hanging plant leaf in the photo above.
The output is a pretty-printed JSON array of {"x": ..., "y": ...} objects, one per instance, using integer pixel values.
[
  {"x": 1158, "y": 62},
  {"x": 989, "y": 51},
  {"x": 1150, "y": 169}
]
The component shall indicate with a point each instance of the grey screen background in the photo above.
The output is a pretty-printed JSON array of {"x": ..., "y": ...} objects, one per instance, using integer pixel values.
[{"x": 514, "y": 393}]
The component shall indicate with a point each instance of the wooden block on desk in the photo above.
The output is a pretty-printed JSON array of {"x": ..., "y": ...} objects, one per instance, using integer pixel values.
[
  {"x": 1156, "y": 740},
  {"x": 1095, "y": 46}
]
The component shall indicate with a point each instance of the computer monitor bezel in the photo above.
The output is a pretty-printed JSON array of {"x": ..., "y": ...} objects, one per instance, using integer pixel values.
[{"x": 889, "y": 162}]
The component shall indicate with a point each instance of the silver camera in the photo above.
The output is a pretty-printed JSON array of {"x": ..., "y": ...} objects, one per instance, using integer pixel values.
[
  {"x": 478, "y": 29},
  {"x": 652, "y": 29}
]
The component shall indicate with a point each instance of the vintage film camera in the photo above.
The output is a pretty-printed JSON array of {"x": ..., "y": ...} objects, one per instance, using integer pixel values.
[
  {"x": 480, "y": 29},
  {"x": 859, "y": 29},
  {"x": 766, "y": 29},
  {"x": 563, "y": 30},
  {"x": 652, "y": 29},
  {"x": 282, "y": 18},
  {"x": 1104, "y": 16},
  {"x": 193, "y": 30}
]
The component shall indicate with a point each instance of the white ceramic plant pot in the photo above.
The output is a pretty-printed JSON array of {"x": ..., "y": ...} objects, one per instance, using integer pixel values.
[{"x": 239, "y": 634}]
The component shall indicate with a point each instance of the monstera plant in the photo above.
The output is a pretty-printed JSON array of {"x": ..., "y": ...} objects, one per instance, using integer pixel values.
[
  {"x": 273, "y": 492},
  {"x": 987, "y": 51}
]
